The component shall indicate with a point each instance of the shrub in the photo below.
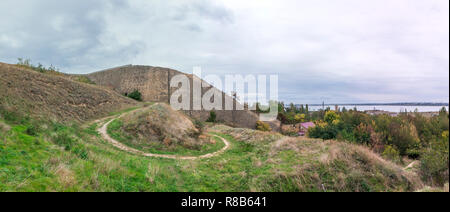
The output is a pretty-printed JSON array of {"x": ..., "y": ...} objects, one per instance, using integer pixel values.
[
  {"x": 81, "y": 152},
  {"x": 39, "y": 67},
  {"x": 32, "y": 130},
  {"x": 262, "y": 126},
  {"x": 345, "y": 135},
  {"x": 324, "y": 131},
  {"x": 65, "y": 140},
  {"x": 212, "y": 117},
  {"x": 136, "y": 95},
  {"x": 405, "y": 139},
  {"x": 299, "y": 118},
  {"x": 434, "y": 162},
  {"x": 84, "y": 79},
  {"x": 362, "y": 133},
  {"x": 331, "y": 117},
  {"x": 200, "y": 126},
  {"x": 10, "y": 116},
  {"x": 391, "y": 153}
]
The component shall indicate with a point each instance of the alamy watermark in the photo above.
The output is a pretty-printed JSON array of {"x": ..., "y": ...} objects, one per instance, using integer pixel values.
[{"x": 234, "y": 92}]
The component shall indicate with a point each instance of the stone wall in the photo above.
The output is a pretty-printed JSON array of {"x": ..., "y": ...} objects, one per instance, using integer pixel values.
[{"x": 153, "y": 83}]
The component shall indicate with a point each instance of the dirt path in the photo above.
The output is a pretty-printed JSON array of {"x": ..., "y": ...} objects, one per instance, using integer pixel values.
[
  {"x": 104, "y": 132},
  {"x": 411, "y": 165}
]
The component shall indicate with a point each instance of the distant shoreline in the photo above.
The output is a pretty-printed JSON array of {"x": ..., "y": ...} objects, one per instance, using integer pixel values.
[{"x": 384, "y": 104}]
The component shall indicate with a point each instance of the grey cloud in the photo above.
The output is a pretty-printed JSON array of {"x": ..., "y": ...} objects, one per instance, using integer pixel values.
[{"x": 337, "y": 51}]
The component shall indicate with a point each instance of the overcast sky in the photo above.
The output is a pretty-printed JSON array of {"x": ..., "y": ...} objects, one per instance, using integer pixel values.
[{"x": 346, "y": 51}]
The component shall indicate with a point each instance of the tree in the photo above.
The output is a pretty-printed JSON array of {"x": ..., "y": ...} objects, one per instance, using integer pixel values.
[
  {"x": 434, "y": 161},
  {"x": 443, "y": 111},
  {"x": 299, "y": 118},
  {"x": 308, "y": 115},
  {"x": 405, "y": 138},
  {"x": 292, "y": 108},
  {"x": 331, "y": 117},
  {"x": 302, "y": 109},
  {"x": 281, "y": 108}
]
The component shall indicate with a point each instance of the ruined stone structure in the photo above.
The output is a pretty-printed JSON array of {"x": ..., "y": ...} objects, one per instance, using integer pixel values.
[{"x": 154, "y": 85}]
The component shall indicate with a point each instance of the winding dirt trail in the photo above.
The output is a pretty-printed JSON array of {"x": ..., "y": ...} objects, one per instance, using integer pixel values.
[{"x": 104, "y": 132}]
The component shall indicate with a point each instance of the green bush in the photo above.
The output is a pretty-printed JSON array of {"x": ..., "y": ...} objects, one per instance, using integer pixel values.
[
  {"x": 391, "y": 153},
  {"x": 65, "y": 140},
  {"x": 81, "y": 152},
  {"x": 136, "y": 95},
  {"x": 434, "y": 162},
  {"x": 405, "y": 138},
  {"x": 32, "y": 130},
  {"x": 324, "y": 131},
  {"x": 212, "y": 117}
]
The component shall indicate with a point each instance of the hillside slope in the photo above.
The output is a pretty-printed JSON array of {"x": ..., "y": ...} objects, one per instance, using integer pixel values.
[
  {"x": 79, "y": 159},
  {"x": 67, "y": 157},
  {"x": 153, "y": 83},
  {"x": 304, "y": 164},
  {"x": 57, "y": 98}
]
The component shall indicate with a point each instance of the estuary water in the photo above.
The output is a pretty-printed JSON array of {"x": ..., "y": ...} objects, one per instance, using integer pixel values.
[{"x": 390, "y": 108}]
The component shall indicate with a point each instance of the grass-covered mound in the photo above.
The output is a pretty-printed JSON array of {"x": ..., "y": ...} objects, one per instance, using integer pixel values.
[
  {"x": 301, "y": 164},
  {"x": 160, "y": 129}
]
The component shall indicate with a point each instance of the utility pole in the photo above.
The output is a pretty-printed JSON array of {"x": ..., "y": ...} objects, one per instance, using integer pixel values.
[{"x": 168, "y": 86}]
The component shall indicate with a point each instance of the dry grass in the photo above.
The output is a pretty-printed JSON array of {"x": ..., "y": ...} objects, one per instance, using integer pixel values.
[
  {"x": 4, "y": 127},
  {"x": 65, "y": 176},
  {"x": 159, "y": 122},
  {"x": 56, "y": 98},
  {"x": 445, "y": 188},
  {"x": 246, "y": 135},
  {"x": 303, "y": 164},
  {"x": 153, "y": 170}
]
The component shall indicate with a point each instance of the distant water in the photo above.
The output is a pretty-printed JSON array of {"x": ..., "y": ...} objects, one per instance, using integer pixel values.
[{"x": 384, "y": 107}]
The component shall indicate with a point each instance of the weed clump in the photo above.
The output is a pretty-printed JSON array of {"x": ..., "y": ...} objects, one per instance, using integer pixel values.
[{"x": 212, "y": 117}]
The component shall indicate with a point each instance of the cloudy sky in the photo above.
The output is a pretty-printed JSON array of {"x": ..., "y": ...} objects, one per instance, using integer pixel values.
[{"x": 346, "y": 51}]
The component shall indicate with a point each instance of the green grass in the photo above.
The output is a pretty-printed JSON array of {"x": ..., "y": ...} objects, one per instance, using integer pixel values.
[
  {"x": 156, "y": 147},
  {"x": 70, "y": 158}
]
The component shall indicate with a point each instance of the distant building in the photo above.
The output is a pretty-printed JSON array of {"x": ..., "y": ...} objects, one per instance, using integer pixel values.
[
  {"x": 380, "y": 112},
  {"x": 303, "y": 128}
]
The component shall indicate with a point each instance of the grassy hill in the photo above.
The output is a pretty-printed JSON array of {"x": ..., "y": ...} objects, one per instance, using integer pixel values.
[
  {"x": 54, "y": 97},
  {"x": 64, "y": 151},
  {"x": 73, "y": 158}
]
